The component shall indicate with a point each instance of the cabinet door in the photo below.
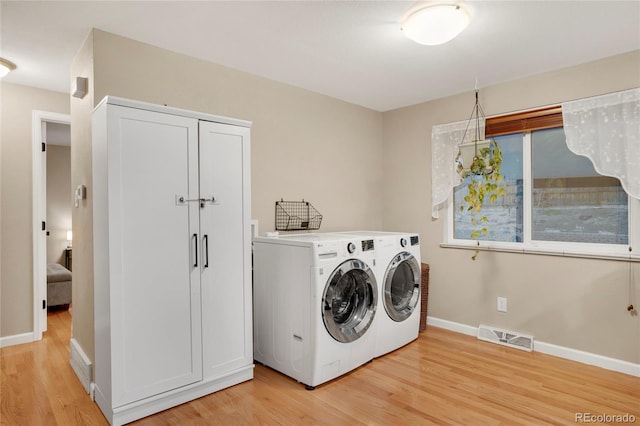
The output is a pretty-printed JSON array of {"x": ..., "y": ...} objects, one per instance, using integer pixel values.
[
  {"x": 225, "y": 224},
  {"x": 154, "y": 276}
]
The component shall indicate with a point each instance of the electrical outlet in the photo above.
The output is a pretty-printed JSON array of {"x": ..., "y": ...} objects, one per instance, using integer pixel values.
[{"x": 502, "y": 304}]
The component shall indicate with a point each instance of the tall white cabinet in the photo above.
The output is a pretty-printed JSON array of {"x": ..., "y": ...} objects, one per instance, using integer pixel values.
[{"x": 172, "y": 265}]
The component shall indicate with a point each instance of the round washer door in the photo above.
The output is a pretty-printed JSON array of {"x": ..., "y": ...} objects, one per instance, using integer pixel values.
[
  {"x": 349, "y": 301},
  {"x": 402, "y": 286}
]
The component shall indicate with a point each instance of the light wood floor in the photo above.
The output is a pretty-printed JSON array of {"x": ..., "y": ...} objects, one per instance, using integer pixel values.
[{"x": 442, "y": 378}]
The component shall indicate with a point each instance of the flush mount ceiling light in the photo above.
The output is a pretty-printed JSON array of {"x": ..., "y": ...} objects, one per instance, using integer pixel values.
[
  {"x": 435, "y": 24},
  {"x": 5, "y": 67}
]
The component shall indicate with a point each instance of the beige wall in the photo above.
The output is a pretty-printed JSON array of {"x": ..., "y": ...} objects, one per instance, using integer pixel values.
[
  {"x": 303, "y": 145},
  {"x": 59, "y": 201},
  {"x": 576, "y": 303},
  {"x": 16, "y": 233},
  {"x": 82, "y": 66}
]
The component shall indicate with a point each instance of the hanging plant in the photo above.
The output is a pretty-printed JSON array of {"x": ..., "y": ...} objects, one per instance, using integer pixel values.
[{"x": 481, "y": 161}]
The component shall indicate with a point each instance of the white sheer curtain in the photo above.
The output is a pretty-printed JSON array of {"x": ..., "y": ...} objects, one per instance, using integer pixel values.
[
  {"x": 606, "y": 129},
  {"x": 445, "y": 139}
]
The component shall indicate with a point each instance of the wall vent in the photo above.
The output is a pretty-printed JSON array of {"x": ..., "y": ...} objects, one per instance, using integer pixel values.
[{"x": 505, "y": 338}]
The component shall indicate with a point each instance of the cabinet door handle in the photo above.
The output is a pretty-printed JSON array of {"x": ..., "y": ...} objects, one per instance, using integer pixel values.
[
  {"x": 195, "y": 238},
  {"x": 206, "y": 250}
]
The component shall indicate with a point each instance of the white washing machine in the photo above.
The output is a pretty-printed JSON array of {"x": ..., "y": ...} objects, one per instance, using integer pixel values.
[
  {"x": 399, "y": 279},
  {"x": 315, "y": 300}
]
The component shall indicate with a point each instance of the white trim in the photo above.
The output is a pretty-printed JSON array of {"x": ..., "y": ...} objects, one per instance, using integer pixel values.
[
  {"x": 39, "y": 265},
  {"x": 588, "y": 358},
  {"x": 114, "y": 100},
  {"x": 583, "y": 357},
  {"x": 453, "y": 326},
  {"x": 16, "y": 339},
  {"x": 81, "y": 365},
  {"x": 547, "y": 251},
  {"x": 527, "y": 189},
  {"x": 634, "y": 226}
]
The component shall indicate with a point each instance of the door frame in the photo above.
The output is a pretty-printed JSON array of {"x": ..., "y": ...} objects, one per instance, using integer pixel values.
[{"x": 38, "y": 213}]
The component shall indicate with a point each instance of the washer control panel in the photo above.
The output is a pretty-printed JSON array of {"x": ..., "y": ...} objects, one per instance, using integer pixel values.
[{"x": 367, "y": 245}]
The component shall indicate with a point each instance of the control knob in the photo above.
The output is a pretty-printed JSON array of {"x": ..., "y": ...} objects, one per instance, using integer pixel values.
[{"x": 351, "y": 248}]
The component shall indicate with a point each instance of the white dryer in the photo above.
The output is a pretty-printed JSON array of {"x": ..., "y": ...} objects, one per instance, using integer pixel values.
[
  {"x": 399, "y": 279},
  {"x": 315, "y": 300}
]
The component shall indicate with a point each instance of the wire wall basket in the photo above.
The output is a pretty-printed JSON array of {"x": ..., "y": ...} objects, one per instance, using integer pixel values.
[{"x": 297, "y": 216}]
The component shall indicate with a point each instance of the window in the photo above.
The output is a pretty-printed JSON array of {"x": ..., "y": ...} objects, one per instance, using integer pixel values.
[
  {"x": 571, "y": 201},
  {"x": 554, "y": 200},
  {"x": 505, "y": 215}
]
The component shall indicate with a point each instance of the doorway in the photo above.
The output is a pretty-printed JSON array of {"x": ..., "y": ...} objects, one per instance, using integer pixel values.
[{"x": 52, "y": 202}]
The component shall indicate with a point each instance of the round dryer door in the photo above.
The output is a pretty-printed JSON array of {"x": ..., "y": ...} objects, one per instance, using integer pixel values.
[
  {"x": 349, "y": 301},
  {"x": 402, "y": 286}
]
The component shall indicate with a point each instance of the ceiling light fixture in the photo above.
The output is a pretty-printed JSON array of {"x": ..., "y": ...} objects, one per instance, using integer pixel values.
[
  {"x": 5, "y": 67},
  {"x": 436, "y": 23}
]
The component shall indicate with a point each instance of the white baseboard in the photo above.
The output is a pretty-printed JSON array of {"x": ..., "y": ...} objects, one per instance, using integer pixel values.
[
  {"x": 81, "y": 365},
  {"x": 16, "y": 339},
  {"x": 453, "y": 326},
  {"x": 588, "y": 358},
  {"x": 607, "y": 363}
]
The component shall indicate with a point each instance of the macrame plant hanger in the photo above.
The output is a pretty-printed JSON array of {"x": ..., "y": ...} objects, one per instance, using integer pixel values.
[{"x": 476, "y": 113}]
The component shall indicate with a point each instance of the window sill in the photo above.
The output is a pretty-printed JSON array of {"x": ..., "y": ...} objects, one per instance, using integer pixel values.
[{"x": 546, "y": 250}]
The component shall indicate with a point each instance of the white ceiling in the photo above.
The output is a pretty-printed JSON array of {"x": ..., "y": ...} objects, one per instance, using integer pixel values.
[{"x": 351, "y": 50}]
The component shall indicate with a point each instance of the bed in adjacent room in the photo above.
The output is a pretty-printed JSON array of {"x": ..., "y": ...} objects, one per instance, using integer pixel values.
[{"x": 58, "y": 285}]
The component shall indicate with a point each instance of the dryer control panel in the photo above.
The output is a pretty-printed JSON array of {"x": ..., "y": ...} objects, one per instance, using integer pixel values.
[{"x": 367, "y": 245}]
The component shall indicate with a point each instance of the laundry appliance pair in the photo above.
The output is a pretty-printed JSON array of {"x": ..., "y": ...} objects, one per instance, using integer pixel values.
[
  {"x": 319, "y": 300},
  {"x": 399, "y": 280}
]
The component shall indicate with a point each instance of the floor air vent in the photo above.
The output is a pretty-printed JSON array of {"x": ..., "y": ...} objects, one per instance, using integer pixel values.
[{"x": 505, "y": 338}]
